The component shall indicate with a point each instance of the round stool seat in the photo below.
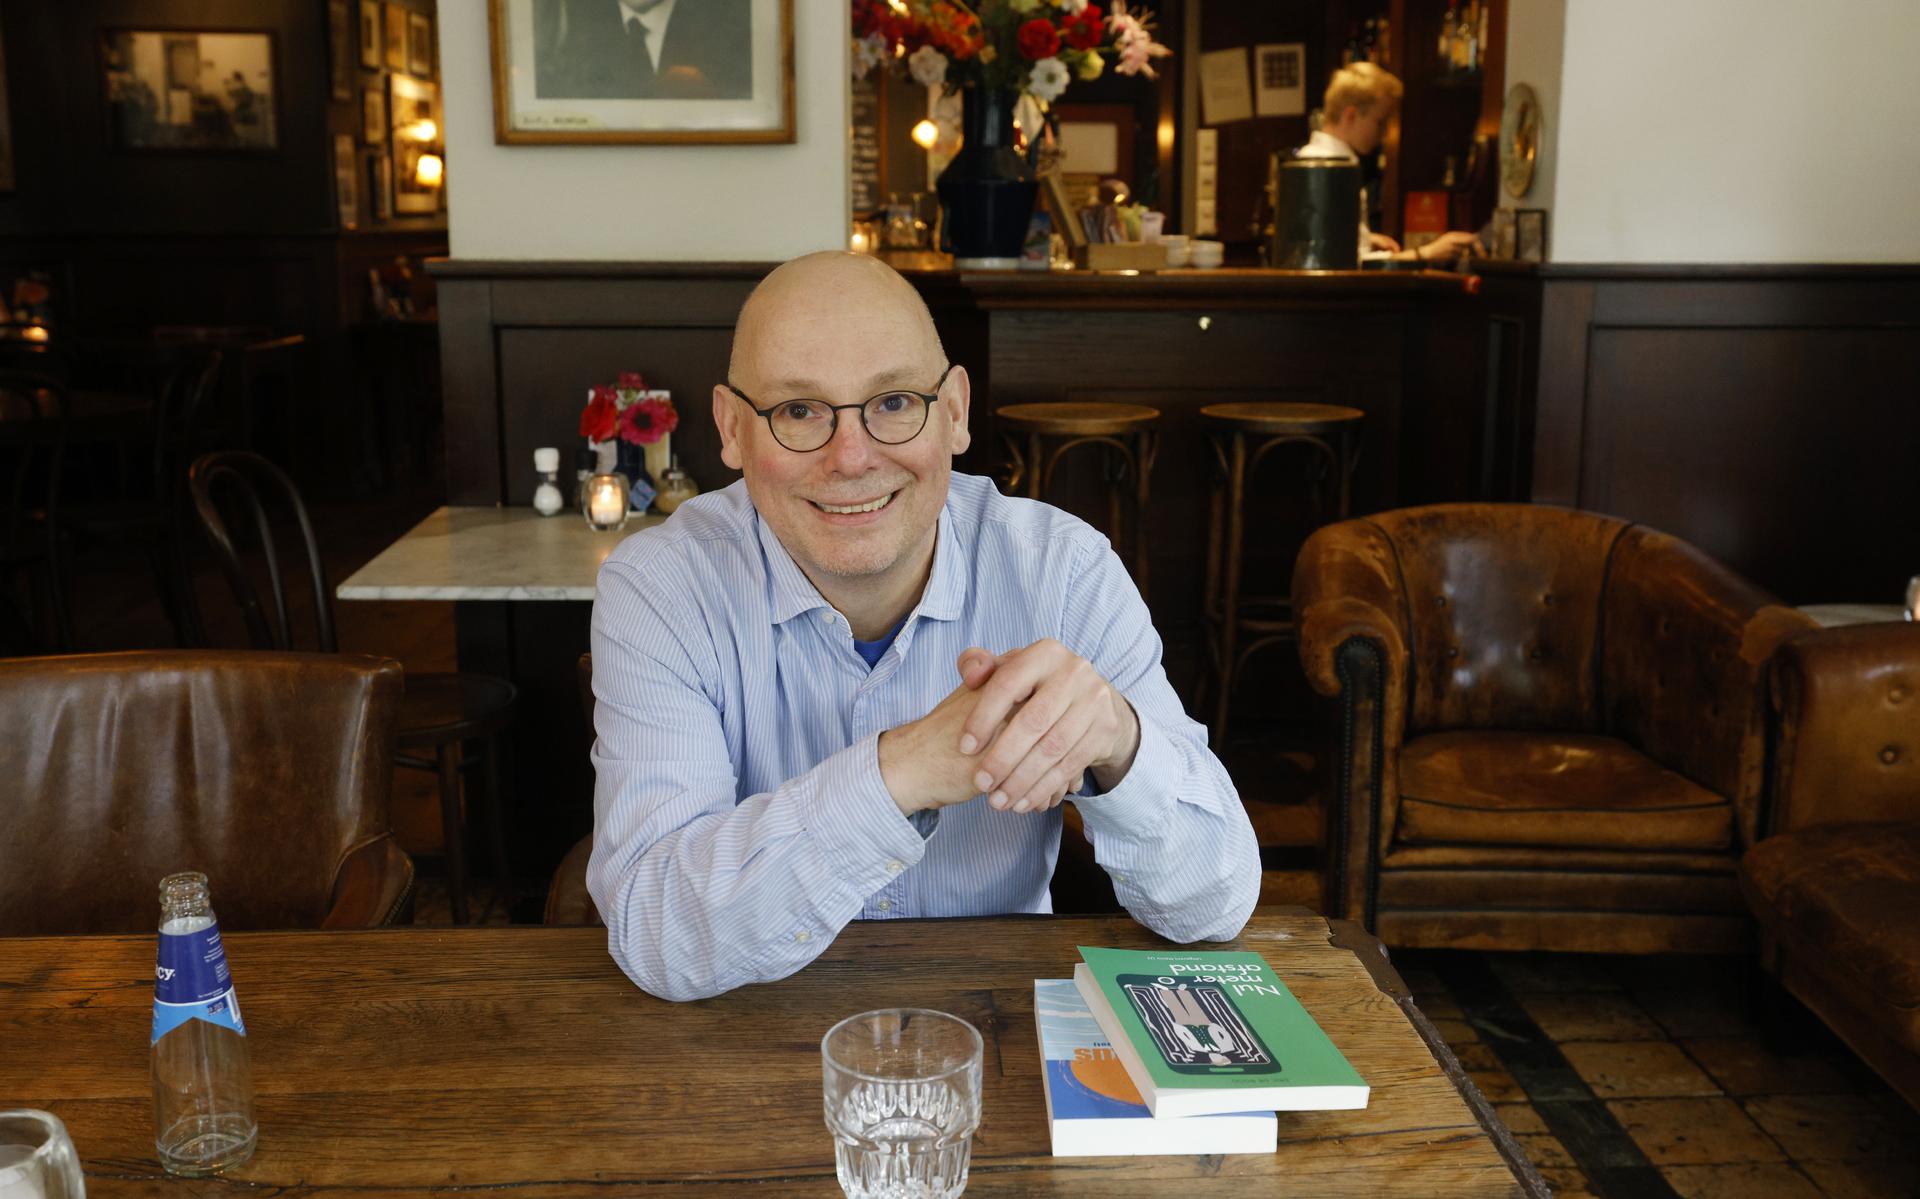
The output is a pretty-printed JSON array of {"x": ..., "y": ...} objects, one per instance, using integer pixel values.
[
  {"x": 1276, "y": 418},
  {"x": 1077, "y": 418}
]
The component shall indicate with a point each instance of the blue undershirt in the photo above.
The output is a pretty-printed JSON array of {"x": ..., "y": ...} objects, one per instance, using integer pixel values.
[{"x": 871, "y": 650}]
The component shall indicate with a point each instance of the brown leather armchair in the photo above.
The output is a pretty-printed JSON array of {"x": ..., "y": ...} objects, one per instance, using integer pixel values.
[
  {"x": 1549, "y": 728},
  {"x": 267, "y": 771},
  {"x": 1836, "y": 883}
]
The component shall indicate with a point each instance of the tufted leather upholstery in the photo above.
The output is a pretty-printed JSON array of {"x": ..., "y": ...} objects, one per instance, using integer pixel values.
[
  {"x": 267, "y": 771},
  {"x": 1530, "y": 698},
  {"x": 1836, "y": 887}
]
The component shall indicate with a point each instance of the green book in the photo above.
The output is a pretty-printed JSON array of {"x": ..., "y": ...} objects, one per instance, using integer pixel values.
[{"x": 1213, "y": 1030}]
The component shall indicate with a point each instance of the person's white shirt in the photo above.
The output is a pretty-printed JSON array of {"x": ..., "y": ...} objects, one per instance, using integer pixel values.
[
  {"x": 1325, "y": 145},
  {"x": 652, "y": 21}
]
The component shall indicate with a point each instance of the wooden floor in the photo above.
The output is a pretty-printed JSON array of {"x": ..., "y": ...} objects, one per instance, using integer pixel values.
[{"x": 1624, "y": 1078}]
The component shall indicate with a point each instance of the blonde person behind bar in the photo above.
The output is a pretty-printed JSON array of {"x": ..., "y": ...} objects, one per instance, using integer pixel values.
[
  {"x": 857, "y": 685},
  {"x": 1361, "y": 102}
]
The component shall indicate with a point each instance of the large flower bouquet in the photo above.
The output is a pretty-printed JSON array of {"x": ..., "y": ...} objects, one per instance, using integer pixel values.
[{"x": 1031, "y": 46}]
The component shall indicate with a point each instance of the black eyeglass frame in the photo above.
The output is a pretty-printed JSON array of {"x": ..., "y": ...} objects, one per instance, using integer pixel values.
[{"x": 766, "y": 414}]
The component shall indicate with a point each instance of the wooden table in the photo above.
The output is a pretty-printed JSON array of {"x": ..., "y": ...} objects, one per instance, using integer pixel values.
[{"x": 413, "y": 1061}]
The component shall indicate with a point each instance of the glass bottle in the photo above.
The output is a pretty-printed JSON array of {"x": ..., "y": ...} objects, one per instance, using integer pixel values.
[
  {"x": 546, "y": 497},
  {"x": 676, "y": 488},
  {"x": 202, "y": 1079}
]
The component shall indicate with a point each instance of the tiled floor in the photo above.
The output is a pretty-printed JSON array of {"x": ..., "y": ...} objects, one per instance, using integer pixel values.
[
  {"x": 1646, "y": 1078},
  {"x": 1622, "y": 1078}
]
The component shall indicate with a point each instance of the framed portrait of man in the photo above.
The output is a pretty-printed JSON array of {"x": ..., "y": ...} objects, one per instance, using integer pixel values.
[
  {"x": 370, "y": 34},
  {"x": 644, "y": 71}
]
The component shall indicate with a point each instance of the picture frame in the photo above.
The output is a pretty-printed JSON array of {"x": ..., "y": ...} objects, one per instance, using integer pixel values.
[
  {"x": 567, "y": 72},
  {"x": 1503, "y": 234},
  {"x": 380, "y": 185},
  {"x": 340, "y": 49},
  {"x": 373, "y": 116},
  {"x": 1059, "y": 206},
  {"x": 200, "y": 90},
  {"x": 395, "y": 37},
  {"x": 1530, "y": 234},
  {"x": 370, "y": 34},
  {"x": 346, "y": 177},
  {"x": 413, "y": 116},
  {"x": 420, "y": 44}
]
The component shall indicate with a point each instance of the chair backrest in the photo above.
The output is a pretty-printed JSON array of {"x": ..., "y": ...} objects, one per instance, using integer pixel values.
[
  {"x": 263, "y": 770},
  {"x": 240, "y": 477},
  {"x": 1848, "y": 709},
  {"x": 185, "y": 404},
  {"x": 33, "y": 441},
  {"x": 1503, "y": 613}
]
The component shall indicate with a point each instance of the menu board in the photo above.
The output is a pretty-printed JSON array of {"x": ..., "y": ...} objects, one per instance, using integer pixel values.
[{"x": 864, "y": 146}]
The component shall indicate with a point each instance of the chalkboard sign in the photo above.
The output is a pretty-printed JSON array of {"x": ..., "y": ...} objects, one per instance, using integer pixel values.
[{"x": 865, "y": 145}]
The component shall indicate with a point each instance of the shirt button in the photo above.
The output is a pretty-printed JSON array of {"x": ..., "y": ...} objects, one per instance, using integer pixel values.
[
  {"x": 826, "y": 618},
  {"x": 803, "y": 936},
  {"x": 1119, "y": 878},
  {"x": 895, "y": 867},
  {"x": 885, "y": 905}
]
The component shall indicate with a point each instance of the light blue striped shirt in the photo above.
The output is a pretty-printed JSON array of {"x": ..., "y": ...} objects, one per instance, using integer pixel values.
[{"x": 740, "y": 816}]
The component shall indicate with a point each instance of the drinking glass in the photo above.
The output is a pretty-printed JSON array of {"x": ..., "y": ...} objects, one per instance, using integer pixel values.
[
  {"x": 37, "y": 1159},
  {"x": 902, "y": 1089}
]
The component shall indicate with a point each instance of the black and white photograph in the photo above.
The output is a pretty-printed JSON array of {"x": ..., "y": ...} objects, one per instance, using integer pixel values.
[
  {"x": 346, "y": 177},
  {"x": 1530, "y": 234},
  {"x": 380, "y": 186},
  {"x": 395, "y": 39},
  {"x": 420, "y": 44},
  {"x": 189, "y": 89},
  {"x": 370, "y": 34},
  {"x": 373, "y": 116},
  {"x": 643, "y": 70}
]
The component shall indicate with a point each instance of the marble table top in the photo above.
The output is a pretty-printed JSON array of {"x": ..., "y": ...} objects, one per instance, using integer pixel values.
[{"x": 490, "y": 554}]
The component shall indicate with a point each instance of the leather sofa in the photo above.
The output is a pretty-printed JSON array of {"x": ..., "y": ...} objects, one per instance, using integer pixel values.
[
  {"x": 268, "y": 772},
  {"x": 1547, "y": 728},
  {"x": 1835, "y": 885}
]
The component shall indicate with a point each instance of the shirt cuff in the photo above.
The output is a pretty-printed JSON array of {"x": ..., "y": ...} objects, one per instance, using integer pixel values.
[
  {"x": 1145, "y": 798},
  {"x": 852, "y": 818}
]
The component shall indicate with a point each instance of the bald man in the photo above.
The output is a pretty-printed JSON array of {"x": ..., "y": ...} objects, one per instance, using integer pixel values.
[{"x": 855, "y": 685}]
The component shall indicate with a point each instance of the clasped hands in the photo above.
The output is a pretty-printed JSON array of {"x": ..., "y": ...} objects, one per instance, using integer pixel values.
[{"x": 1021, "y": 728}]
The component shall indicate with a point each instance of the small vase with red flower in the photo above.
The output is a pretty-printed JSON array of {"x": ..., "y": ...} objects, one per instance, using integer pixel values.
[{"x": 630, "y": 427}]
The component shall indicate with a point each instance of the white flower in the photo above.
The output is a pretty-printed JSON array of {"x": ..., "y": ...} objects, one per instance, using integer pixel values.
[
  {"x": 1049, "y": 79},
  {"x": 928, "y": 67},
  {"x": 868, "y": 53},
  {"x": 1134, "y": 47}
]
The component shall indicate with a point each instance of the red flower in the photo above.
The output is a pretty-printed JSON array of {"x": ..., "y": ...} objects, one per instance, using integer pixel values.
[
  {"x": 648, "y": 421},
  {"x": 602, "y": 413},
  {"x": 1083, "y": 28},
  {"x": 1038, "y": 39},
  {"x": 631, "y": 381}
]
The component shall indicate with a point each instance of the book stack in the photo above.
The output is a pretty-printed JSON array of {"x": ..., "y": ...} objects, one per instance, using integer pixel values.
[{"x": 1180, "y": 1053}]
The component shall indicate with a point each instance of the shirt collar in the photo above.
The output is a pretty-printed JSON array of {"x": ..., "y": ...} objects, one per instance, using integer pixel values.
[
  {"x": 653, "y": 20},
  {"x": 1328, "y": 143},
  {"x": 790, "y": 593}
]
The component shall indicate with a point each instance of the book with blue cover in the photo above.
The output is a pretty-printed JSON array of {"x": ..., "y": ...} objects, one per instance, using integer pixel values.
[{"x": 1093, "y": 1108}]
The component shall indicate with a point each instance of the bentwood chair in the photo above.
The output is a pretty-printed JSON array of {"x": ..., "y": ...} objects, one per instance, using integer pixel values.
[
  {"x": 34, "y": 412},
  {"x": 568, "y": 900},
  {"x": 265, "y": 771},
  {"x": 439, "y": 713}
]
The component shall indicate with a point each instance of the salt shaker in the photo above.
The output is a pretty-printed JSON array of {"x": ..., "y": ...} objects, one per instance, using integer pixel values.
[{"x": 546, "y": 497}]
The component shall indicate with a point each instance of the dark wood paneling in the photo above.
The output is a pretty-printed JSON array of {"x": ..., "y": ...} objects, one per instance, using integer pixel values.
[{"x": 1766, "y": 414}]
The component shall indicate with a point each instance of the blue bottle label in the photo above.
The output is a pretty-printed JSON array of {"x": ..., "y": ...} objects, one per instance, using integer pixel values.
[{"x": 190, "y": 982}]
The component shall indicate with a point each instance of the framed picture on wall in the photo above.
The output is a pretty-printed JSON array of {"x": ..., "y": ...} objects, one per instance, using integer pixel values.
[
  {"x": 373, "y": 116},
  {"x": 396, "y": 37},
  {"x": 340, "y": 48},
  {"x": 380, "y": 186},
  {"x": 189, "y": 89},
  {"x": 1530, "y": 234},
  {"x": 370, "y": 34},
  {"x": 420, "y": 43},
  {"x": 414, "y": 119},
  {"x": 583, "y": 71},
  {"x": 346, "y": 180}
]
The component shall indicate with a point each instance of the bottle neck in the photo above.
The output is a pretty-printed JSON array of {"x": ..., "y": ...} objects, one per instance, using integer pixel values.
[{"x": 184, "y": 897}]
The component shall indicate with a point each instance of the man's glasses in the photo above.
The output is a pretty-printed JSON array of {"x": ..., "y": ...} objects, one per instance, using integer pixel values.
[{"x": 891, "y": 418}]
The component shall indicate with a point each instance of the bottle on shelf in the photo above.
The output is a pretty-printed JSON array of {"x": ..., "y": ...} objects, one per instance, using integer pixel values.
[{"x": 202, "y": 1077}]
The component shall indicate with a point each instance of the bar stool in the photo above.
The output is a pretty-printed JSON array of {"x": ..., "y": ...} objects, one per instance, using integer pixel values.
[
  {"x": 1242, "y": 434},
  {"x": 1126, "y": 430}
]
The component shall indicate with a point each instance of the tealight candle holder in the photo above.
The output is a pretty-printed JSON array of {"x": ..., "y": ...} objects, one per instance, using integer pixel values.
[{"x": 603, "y": 501}]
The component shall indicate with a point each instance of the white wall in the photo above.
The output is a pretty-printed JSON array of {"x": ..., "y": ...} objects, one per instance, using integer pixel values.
[
  {"x": 1754, "y": 131},
  {"x": 647, "y": 203}
]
